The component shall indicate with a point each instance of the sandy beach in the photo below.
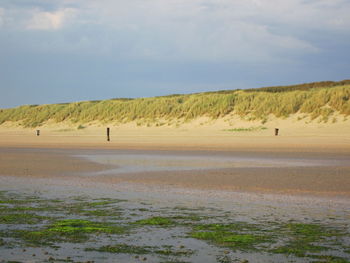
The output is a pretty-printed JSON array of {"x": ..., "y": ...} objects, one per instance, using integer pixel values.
[
  {"x": 200, "y": 134},
  {"x": 175, "y": 131},
  {"x": 190, "y": 178},
  {"x": 312, "y": 157}
]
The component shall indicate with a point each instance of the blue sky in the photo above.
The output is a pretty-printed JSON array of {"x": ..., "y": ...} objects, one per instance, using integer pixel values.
[{"x": 72, "y": 50}]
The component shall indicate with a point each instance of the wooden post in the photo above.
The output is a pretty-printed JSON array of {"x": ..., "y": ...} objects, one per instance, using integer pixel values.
[
  {"x": 108, "y": 139},
  {"x": 276, "y": 131},
  {"x": 37, "y": 132}
]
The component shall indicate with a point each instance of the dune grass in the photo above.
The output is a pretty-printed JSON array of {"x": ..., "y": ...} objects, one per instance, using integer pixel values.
[
  {"x": 320, "y": 99},
  {"x": 250, "y": 129}
]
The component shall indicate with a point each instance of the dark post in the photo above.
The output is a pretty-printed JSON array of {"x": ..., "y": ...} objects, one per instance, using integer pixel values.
[
  {"x": 276, "y": 131},
  {"x": 108, "y": 139},
  {"x": 37, "y": 132}
]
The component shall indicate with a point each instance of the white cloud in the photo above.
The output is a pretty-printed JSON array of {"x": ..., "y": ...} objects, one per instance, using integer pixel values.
[
  {"x": 292, "y": 12},
  {"x": 2, "y": 11},
  {"x": 243, "y": 30},
  {"x": 43, "y": 20},
  {"x": 199, "y": 29}
]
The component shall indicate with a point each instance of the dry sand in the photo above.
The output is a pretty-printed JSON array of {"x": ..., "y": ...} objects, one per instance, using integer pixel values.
[{"x": 203, "y": 133}]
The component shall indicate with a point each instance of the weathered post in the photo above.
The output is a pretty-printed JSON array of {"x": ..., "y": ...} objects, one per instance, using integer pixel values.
[
  {"x": 37, "y": 132},
  {"x": 108, "y": 139},
  {"x": 276, "y": 131}
]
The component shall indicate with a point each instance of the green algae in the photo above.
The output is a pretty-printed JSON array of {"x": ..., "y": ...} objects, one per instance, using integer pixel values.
[
  {"x": 22, "y": 218},
  {"x": 329, "y": 259},
  {"x": 14, "y": 201},
  {"x": 73, "y": 226},
  {"x": 98, "y": 203},
  {"x": 132, "y": 249},
  {"x": 310, "y": 232},
  {"x": 228, "y": 239},
  {"x": 235, "y": 236},
  {"x": 123, "y": 248},
  {"x": 242, "y": 226},
  {"x": 155, "y": 221},
  {"x": 170, "y": 251},
  {"x": 177, "y": 220},
  {"x": 68, "y": 230},
  {"x": 8, "y": 209},
  {"x": 99, "y": 208},
  {"x": 189, "y": 217},
  {"x": 143, "y": 209},
  {"x": 35, "y": 238},
  {"x": 101, "y": 212},
  {"x": 307, "y": 239},
  {"x": 299, "y": 249}
]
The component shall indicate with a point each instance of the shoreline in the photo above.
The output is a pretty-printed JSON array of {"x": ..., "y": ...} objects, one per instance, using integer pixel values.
[{"x": 54, "y": 187}]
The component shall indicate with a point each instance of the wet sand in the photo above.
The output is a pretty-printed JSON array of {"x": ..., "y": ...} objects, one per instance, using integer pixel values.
[
  {"x": 265, "y": 189},
  {"x": 320, "y": 174},
  {"x": 43, "y": 163}
]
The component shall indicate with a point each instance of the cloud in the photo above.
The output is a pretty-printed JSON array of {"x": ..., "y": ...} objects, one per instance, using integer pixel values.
[
  {"x": 198, "y": 29},
  {"x": 138, "y": 47},
  {"x": 43, "y": 20},
  {"x": 202, "y": 30},
  {"x": 1, "y": 16}
]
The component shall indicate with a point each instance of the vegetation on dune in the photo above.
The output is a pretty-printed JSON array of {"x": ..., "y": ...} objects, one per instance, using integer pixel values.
[
  {"x": 320, "y": 99},
  {"x": 305, "y": 86},
  {"x": 250, "y": 129}
]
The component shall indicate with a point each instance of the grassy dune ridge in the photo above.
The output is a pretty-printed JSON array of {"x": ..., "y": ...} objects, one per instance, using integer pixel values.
[{"x": 319, "y": 99}]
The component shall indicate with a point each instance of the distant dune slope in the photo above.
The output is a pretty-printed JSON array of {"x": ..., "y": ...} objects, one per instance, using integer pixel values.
[{"x": 318, "y": 99}]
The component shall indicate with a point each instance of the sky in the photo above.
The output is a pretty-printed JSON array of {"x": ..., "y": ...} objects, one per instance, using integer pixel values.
[{"x": 54, "y": 51}]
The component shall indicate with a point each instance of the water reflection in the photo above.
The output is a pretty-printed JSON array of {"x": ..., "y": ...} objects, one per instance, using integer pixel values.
[{"x": 130, "y": 163}]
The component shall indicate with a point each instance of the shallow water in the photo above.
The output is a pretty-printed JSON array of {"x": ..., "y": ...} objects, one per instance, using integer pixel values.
[
  {"x": 142, "y": 202},
  {"x": 266, "y": 211},
  {"x": 148, "y": 162}
]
